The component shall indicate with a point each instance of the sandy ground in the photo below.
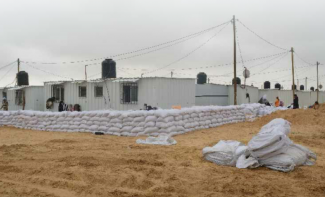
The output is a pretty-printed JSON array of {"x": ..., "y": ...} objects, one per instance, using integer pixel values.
[{"x": 36, "y": 163}]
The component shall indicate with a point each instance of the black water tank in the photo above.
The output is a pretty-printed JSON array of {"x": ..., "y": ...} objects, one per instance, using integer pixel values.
[
  {"x": 267, "y": 85},
  {"x": 108, "y": 69},
  {"x": 312, "y": 88},
  {"x": 201, "y": 78},
  {"x": 302, "y": 87},
  {"x": 238, "y": 81},
  {"x": 22, "y": 78},
  {"x": 277, "y": 86}
]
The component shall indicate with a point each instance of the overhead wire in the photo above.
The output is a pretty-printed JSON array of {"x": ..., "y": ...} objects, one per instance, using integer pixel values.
[
  {"x": 6, "y": 73},
  {"x": 8, "y": 65},
  {"x": 260, "y": 36},
  {"x": 188, "y": 54},
  {"x": 54, "y": 74},
  {"x": 178, "y": 40}
]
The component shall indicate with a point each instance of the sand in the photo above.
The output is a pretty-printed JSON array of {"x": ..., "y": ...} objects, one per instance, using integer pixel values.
[{"x": 36, "y": 163}]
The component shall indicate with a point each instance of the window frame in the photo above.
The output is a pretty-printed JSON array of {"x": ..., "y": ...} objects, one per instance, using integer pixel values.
[
  {"x": 80, "y": 91},
  {"x": 95, "y": 92},
  {"x": 132, "y": 94},
  {"x": 4, "y": 94},
  {"x": 19, "y": 94},
  {"x": 61, "y": 92}
]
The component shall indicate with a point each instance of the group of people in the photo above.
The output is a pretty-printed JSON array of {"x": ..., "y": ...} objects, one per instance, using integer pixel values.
[
  {"x": 66, "y": 107},
  {"x": 295, "y": 104}
]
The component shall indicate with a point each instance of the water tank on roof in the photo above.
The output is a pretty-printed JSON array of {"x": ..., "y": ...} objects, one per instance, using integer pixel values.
[
  {"x": 22, "y": 78},
  {"x": 302, "y": 87},
  {"x": 201, "y": 78},
  {"x": 267, "y": 85},
  {"x": 238, "y": 81},
  {"x": 108, "y": 69},
  {"x": 277, "y": 86},
  {"x": 312, "y": 88}
]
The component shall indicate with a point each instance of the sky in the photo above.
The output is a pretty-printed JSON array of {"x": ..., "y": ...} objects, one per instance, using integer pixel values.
[{"x": 39, "y": 31}]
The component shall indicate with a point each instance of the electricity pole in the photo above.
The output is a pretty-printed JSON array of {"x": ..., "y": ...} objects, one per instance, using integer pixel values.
[
  {"x": 235, "y": 74},
  {"x": 293, "y": 74},
  {"x": 306, "y": 84},
  {"x": 18, "y": 61},
  {"x": 317, "y": 63},
  {"x": 86, "y": 72}
]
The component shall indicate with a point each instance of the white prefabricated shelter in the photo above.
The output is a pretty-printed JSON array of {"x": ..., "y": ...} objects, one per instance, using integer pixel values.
[
  {"x": 123, "y": 93},
  {"x": 214, "y": 94},
  {"x": 211, "y": 94},
  {"x": 32, "y": 96},
  {"x": 3, "y": 93}
]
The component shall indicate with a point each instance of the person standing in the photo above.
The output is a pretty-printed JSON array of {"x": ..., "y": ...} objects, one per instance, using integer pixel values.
[
  {"x": 296, "y": 102},
  {"x": 4, "y": 104},
  {"x": 277, "y": 102}
]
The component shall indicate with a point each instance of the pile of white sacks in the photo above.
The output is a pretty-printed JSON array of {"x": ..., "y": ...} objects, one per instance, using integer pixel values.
[
  {"x": 271, "y": 148},
  {"x": 258, "y": 110},
  {"x": 130, "y": 123}
]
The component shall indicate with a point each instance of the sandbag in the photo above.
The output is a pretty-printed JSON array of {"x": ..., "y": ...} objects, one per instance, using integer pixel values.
[
  {"x": 162, "y": 139},
  {"x": 223, "y": 153}
]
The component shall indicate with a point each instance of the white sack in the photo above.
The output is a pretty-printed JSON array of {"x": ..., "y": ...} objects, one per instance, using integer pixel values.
[
  {"x": 160, "y": 140},
  {"x": 223, "y": 153}
]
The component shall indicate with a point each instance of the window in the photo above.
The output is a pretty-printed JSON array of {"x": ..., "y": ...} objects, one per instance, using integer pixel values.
[
  {"x": 82, "y": 91},
  {"x": 19, "y": 97},
  {"x": 58, "y": 92},
  {"x": 4, "y": 95},
  {"x": 129, "y": 93},
  {"x": 98, "y": 91}
]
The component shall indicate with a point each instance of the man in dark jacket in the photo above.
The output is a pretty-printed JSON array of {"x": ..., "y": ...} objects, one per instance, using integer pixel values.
[{"x": 295, "y": 102}]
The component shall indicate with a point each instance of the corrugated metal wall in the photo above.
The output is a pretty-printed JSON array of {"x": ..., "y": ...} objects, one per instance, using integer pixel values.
[
  {"x": 157, "y": 92},
  {"x": 34, "y": 99},
  {"x": 211, "y": 94},
  {"x": 241, "y": 94},
  {"x": 306, "y": 98}
]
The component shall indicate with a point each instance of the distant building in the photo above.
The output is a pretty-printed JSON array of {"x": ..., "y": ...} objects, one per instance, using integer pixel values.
[
  {"x": 122, "y": 93},
  {"x": 25, "y": 97}
]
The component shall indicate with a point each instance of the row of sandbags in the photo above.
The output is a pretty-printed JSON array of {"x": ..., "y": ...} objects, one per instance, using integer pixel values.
[
  {"x": 126, "y": 123},
  {"x": 271, "y": 148}
]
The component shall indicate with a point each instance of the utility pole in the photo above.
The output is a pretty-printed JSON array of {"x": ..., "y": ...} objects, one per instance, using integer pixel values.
[
  {"x": 317, "y": 63},
  {"x": 86, "y": 72},
  {"x": 171, "y": 74},
  {"x": 306, "y": 84},
  {"x": 18, "y": 61},
  {"x": 293, "y": 74},
  {"x": 235, "y": 72}
]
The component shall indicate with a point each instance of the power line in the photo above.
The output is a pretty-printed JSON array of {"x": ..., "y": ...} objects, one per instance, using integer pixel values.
[
  {"x": 54, "y": 74},
  {"x": 302, "y": 59},
  {"x": 178, "y": 40},
  {"x": 188, "y": 54},
  {"x": 228, "y": 64},
  {"x": 6, "y": 73},
  {"x": 7, "y": 65},
  {"x": 261, "y": 36},
  {"x": 273, "y": 63}
]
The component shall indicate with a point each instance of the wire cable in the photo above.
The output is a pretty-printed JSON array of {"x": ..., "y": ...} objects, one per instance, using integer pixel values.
[
  {"x": 138, "y": 50},
  {"x": 188, "y": 54},
  {"x": 54, "y": 74},
  {"x": 7, "y": 65},
  {"x": 261, "y": 36},
  {"x": 6, "y": 73}
]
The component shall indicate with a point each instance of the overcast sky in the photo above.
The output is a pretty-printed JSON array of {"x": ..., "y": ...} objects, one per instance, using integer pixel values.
[{"x": 76, "y": 30}]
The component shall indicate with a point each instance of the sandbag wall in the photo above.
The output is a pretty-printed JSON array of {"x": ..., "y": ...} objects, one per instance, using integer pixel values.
[{"x": 126, "y": 123}]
